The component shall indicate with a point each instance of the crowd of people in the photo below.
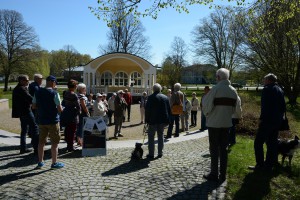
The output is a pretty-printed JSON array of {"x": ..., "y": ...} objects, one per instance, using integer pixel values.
[{"x": 42, "y": 113}]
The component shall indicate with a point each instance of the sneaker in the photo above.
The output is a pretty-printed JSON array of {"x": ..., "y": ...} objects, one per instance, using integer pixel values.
[
  {"x": 40, "y": 165},
  {"x": 120, "y": 135},
  {"x": 57, "y": 165}
]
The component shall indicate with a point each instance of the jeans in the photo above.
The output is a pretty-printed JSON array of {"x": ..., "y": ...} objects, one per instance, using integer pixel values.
[
  {"x": 29, "y": 121},
  {"x": 266, "y": 133},
  {"x": 160, "y": 137},
  {"x": 170, "y": 128}
]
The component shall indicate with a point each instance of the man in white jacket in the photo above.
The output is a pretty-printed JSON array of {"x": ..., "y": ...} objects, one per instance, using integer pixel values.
[{"x": 218, "y": 107}]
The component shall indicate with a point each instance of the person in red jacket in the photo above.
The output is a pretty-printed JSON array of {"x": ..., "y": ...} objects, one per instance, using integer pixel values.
[{"x": 128, "y": 98}]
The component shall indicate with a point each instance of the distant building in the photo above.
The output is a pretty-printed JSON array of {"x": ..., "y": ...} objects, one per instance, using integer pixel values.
[
  {"x": 75, "y": 73},
  {"x": 197, "y": 74}
]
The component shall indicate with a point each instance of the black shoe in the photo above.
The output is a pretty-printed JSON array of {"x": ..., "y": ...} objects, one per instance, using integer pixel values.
[
  {"x": 210, "y": 177},
  {"x": 150, "y": 157},
  {"x": 25, "y": 151},
  {"x": 159, "y": 156},
  {"x": 176, "y": 135},
  {"x": 168, "y": 137},
  {"x": 222, "y": 178},
  {"x": 256, "y": 167}
]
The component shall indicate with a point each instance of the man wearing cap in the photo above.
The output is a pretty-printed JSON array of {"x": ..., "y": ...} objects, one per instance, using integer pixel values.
[
  {"x": 120, "y": 105},
  {"x": 21, "y": 108},
  {"x": 272, "y": 112},
  {"x": 47, "y": 101}
]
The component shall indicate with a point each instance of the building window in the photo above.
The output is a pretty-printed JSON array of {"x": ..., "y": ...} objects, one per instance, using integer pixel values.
[
  {"x": 121, "y": 79},
  {"x": 106, "y": 79},
  {"x": 136, "y": 79}
]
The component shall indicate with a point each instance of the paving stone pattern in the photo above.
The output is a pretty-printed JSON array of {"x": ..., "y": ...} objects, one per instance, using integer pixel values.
[{"x": 177, "y": 175}]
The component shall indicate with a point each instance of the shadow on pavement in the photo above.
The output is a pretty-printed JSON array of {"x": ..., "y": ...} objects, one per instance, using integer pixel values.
[
  {"x": 131, "y": 166},
  {"x": 132, "y": 125},
  {"x": 19, "y": 175},
  {"x": 200, "y": 191}
]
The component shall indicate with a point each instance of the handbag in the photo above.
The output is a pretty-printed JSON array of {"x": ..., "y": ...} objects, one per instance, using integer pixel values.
[
  {"x": 284, "y": 124},
  {"x": 177, "y": 109}
]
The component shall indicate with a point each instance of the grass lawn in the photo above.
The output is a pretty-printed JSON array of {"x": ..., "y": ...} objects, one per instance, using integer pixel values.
[{"x": 282, "y": 183}]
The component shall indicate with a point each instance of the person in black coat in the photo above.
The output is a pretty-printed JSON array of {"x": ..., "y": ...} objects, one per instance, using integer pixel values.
[
  {"x": 271, "y": 117},
  {"x": 157, "y": 113},
  {"x": 21, "y": 108}
]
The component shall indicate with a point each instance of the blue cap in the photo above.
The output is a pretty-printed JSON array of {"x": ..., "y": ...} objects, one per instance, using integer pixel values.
[{"x": 51, "y": 78}]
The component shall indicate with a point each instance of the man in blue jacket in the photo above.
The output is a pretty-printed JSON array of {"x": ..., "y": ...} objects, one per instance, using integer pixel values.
[
  {"x": 157, "y": 113},
  {"x": 272, "y": 111},
  {"x": 48, "y": 104}
]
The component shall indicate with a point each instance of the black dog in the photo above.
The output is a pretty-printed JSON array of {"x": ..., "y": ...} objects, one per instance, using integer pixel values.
[
  {"x": 137, "y": 153},
  {"x": 287, "y": 148}
]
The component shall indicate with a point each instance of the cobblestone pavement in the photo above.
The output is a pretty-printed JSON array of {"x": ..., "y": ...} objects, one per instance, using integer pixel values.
[{"x": 177, "y": 175}]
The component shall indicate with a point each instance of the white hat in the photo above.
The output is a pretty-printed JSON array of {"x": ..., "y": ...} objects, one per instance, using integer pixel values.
[{"x": 98, "y": 95}]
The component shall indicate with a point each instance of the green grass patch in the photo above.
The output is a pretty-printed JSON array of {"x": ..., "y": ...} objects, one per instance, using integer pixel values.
[{"x": 281, "y": 183}]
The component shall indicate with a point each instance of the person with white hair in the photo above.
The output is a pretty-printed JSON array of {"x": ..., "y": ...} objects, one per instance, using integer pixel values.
[
  {"x": 218, "y": 107},
  {"x": 157, "y": 112},
  {"x": 177, "y": 98},
  {"x": 272, "y": 112}
]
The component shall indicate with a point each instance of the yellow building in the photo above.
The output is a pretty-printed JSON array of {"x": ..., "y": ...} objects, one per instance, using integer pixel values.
[{"x": 115, "y": 71}]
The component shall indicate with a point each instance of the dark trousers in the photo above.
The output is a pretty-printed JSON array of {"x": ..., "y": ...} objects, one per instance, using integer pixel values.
[
  {"x": 70, "y": 131},
  {"x": 173, "y": 118},
  {"x": 194, "y": 118},
  {"x": 128, "y": 108},
  {"x": 28, "y": 121},
  {"x": 159, "y": 128},
  {"x": 203, "y": 122},
  {"x": 118, "y": 125},
  {"x": 232, "y": 133},
  {"x": 218, "y": 142},
  {"x": 266, "y": 134},
  {"x": 110, "y": 114}
]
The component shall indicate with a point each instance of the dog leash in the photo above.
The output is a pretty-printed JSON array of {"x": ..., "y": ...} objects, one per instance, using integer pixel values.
[{"x": 145, "y": 131}]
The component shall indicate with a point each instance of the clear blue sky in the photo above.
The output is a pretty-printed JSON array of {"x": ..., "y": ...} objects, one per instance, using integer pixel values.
[{"x": 70, "y": 22}]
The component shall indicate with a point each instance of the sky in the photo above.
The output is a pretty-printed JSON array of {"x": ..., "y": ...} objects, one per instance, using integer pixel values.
[{"x": 70, "y": 22}]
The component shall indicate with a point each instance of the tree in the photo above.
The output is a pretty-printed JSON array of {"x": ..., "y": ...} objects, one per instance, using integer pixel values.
[
  {"x": 18, "y": 43},
  {"x": 273, "y": 44},
  {"x": 133, "y": 7},
  {"x": 72, "y": 58},
  {"x": 170, "y": 73},
  {"x": 218, "y": 38},
  {"x": 178, "y": 52},
  {"x": 126, "y": 35}
]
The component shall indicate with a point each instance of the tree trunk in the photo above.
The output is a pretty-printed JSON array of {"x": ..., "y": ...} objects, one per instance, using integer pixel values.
[{"x": 6, "y": 82}]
